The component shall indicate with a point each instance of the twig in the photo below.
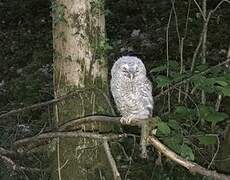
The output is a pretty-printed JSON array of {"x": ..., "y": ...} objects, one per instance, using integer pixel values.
[
  {"x": 204, "y": 43},
  {"x": 6, "y": 152},
  {"x": 12, "y": 165},
  {"x": 38, "y": 105},
  {"x": 201, "y": 12},
  {"x": 167, "y": 56},
  {"x": 191, "y": 166},
  {"x": 219, "y": 98},
  {"x": 116, "y": 174},
  {"x": 56, "y": 100},
  {"x": 72, "y": 124}
]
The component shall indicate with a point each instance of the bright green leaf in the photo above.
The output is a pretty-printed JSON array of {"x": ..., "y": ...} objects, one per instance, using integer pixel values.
[
  {"x": 216, "y": 117},
  {"x": 187, "y": 152},
  {"x": 222, "y": 83},
  {"x": 163, "y": 128},
  {"x": 207, "y": 140},
  {"x": 225, "y": 90},
  {"x": 209, "y": 114}
]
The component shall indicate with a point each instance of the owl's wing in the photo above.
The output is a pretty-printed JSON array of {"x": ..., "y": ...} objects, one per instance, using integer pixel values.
[{"x": 147, "y": 98}]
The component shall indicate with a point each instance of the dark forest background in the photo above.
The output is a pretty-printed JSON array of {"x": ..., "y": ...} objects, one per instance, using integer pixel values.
[{"x": 133, "y": 27}]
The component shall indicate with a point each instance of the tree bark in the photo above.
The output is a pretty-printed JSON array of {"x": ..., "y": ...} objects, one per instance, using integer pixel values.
[{"x": 79, "y": 39}]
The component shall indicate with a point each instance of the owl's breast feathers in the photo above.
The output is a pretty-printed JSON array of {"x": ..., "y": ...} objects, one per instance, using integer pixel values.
[{"x": 133, "y": 97}]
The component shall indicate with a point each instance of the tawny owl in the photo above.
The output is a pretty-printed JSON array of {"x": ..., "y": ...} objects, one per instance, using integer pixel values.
[{"x": 131, "y": 89}]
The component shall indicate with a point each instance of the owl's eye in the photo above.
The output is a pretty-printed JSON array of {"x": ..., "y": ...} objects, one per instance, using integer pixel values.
[{"x": 124, "y": 69}]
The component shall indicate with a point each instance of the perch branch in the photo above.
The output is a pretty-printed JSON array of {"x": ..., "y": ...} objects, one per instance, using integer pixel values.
[
  {"x": 44, "y": 138},
  {"x": 191, "y": 166}
]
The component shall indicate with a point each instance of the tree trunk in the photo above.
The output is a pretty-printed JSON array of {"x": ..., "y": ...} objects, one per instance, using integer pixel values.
[{"x": 79, "y": 63}]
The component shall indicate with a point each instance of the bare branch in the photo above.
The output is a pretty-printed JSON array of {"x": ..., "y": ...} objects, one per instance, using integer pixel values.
[
  {"x": 38, "y": 105},
  {"x": 191, "y": 166},
  {"x": 116, "y": 174},
  {"x": 12, "y": 165}
]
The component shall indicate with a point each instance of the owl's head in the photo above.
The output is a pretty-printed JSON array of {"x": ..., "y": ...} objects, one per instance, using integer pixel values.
[{"x": 129, "y": 67}]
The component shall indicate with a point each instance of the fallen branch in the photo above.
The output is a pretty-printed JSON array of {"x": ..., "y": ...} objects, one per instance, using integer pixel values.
[{"x": 191, "y": 166}]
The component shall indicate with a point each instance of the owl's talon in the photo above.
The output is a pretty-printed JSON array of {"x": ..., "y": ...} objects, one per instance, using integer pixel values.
[{"x": 126, "y": 120}]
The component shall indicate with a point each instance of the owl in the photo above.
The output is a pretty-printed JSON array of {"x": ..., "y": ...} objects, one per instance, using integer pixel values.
[{"x": 131, "y": 89}]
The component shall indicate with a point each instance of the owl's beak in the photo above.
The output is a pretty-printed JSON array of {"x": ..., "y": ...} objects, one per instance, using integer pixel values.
[{"x": 131, "y": 76}]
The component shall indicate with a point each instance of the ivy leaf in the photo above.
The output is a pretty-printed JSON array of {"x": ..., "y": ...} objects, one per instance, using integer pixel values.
[
  {"x": 207, "y": 140},
  {"x": 162, "y": 81},
  {"x": 163, "y": 128},
  {"x": 187, "y": 152}
]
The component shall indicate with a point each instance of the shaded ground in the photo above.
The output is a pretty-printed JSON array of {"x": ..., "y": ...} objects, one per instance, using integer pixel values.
[{"x": 132, "y": 26}]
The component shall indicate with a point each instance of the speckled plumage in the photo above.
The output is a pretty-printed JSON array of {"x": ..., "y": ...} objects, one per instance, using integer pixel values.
[{"x": 131, "y": 89}]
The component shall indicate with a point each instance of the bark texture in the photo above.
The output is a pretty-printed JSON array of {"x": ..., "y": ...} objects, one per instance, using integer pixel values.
[{"x": 79, "y": 39}]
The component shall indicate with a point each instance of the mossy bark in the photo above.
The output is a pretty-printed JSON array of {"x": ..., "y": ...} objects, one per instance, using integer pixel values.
[{"x": 78, "y": 29}]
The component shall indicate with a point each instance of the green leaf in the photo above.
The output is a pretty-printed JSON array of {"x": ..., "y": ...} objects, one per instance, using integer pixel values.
[
  {"x": 201, "y": 67},
  {"x": 187, "y": 152},
  {"x": 225, "y": 90},
  {"x": 216, "y": 117},
  {"x": 182, "y": 111},
  {"x": 173, "y": 64},
  {"x": 174, "y": 143},
  {"x": 162, "y": 81},
  {"x": 158, "y": 69},
  {"x": 222, "y": 83},
  {"x": 204, "y": 111},
  {"x": 203, "y": 83},
  {"x": 174, "y": 124},
  {"x": 207, "y": 140},
  {"x": 209, "y": 114},
  {"x": 163, "y": 128}
]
